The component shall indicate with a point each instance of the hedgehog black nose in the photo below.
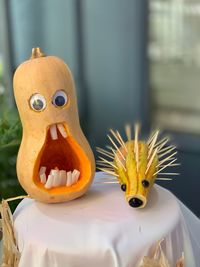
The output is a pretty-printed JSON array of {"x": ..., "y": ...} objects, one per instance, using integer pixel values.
[{"x": 135, "y": 202}]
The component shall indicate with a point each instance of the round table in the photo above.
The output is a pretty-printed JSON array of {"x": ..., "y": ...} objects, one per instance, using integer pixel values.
[{"x": 101, "y": 229}]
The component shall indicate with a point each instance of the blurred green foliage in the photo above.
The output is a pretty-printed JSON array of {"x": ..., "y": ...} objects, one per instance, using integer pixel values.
[{"x": 10, "y": 138}]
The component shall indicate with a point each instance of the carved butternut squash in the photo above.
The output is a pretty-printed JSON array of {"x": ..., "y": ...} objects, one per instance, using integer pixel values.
[{"x": 55, "y": 162}]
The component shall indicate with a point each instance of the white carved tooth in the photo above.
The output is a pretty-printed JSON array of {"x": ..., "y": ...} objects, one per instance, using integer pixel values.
[
  {"x": 69, "y": 179},
  {"x": 42, "y": 175},
  {"x": 75, "y": 176},
  {"x": 73, "y": 179},
  {"x": 49, "y": 182},
  {"x": 62, "y": 130},
  {"x": 43, "y": 178},
  {"x": 53, "y": 131},
  {"x": 56, "y": 178},
  {"x": 42, "y": 169},
  {"x": 63, "y": 177}
]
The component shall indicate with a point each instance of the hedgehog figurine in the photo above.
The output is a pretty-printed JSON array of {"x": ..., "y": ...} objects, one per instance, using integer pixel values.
[{"x": 136, "y": 164}]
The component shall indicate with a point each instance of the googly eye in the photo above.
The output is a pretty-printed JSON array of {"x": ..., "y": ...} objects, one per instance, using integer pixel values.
[
  {"x": 60, "y": 98},
  {"x": 37, "y": 102},
  {"x": 145, "y": 183},
  {"x": 123, "y": 187}
]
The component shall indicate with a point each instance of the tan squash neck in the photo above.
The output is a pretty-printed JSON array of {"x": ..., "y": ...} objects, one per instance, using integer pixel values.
[{"x": 36, "y": 53}]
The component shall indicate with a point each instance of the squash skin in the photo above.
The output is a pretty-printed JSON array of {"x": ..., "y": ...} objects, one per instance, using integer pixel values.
[{"x": 46, "y": 75}]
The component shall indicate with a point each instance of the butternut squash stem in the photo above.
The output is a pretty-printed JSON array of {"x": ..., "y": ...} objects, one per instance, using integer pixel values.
[{"x": 37, "y": 53}]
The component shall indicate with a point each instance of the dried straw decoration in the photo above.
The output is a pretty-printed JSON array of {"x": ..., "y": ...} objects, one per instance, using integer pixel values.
[
  {"x": 159, "y": 259},
  {"x": 11, "y": 254}
]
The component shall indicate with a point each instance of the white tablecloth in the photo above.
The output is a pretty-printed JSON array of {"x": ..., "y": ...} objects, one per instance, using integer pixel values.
[{"x": 101, "y": 229}]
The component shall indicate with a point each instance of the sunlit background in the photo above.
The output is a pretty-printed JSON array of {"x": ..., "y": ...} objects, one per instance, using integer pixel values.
[{"x": 132, "y": 60}]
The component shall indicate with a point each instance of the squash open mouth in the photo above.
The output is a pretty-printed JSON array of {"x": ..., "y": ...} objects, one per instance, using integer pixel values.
[{"x": 62, "y": 164}]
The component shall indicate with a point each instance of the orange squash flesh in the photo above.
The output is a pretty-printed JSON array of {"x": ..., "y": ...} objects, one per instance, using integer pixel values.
[{"x": 63, "y": 154}]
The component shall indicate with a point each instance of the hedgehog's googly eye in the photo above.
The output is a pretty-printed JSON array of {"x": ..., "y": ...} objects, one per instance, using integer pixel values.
[
  {"x": 123, "y": 187},
  {"x": 37, "y": 102},
  {"x": 145, "y": 183},
  {"x": 60, "y": 99}
]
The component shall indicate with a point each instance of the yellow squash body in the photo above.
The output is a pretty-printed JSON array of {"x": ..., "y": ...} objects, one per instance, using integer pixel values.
[
  {"x": 136, "y": 164},
  {"x": 134, "y": 178}
]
